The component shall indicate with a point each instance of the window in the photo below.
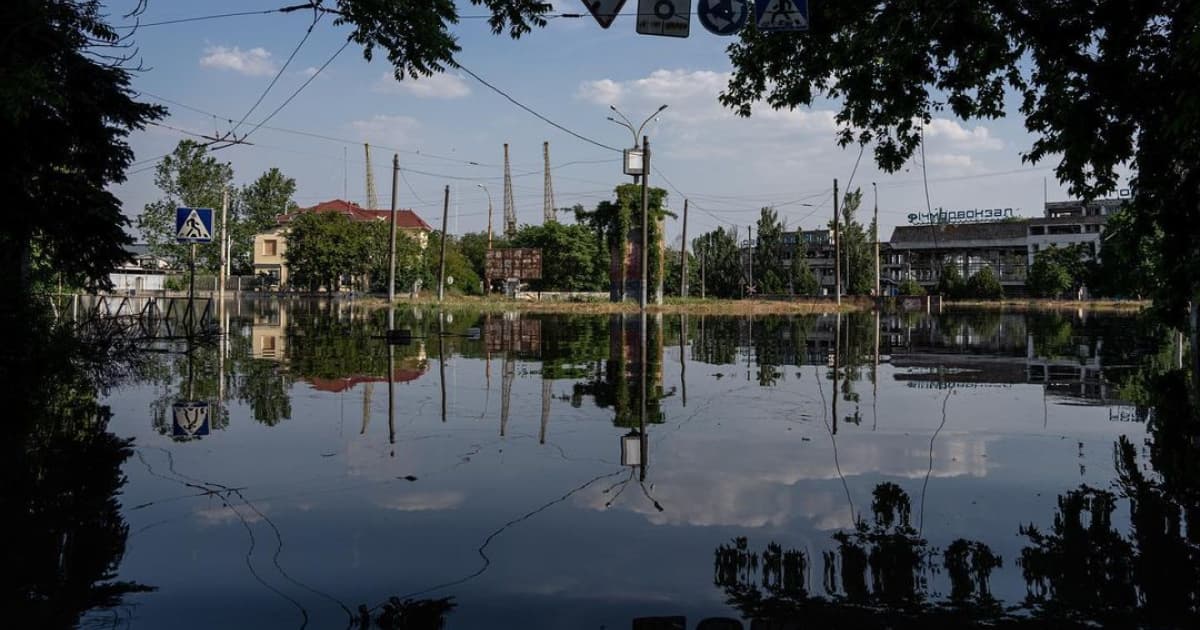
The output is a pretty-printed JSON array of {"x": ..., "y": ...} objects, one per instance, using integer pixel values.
[
  {"x": 270, "y": 247},
  {"x": 1037, "y": 230}
]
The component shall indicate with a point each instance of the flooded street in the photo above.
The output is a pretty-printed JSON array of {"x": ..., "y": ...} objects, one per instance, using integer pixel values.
[{"x": 506, "y": 462}]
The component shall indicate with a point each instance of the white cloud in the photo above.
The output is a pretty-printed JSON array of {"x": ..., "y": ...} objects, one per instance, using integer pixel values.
[
  {"x": 953, "y": 160},
  {"x": 601, "y": 92},
  {"x": 424, "y": 502},
  {"x": 386, "y": 130},
  {"x": 976, "y": 138},
  {"x": 254, "y": 62},
  {"x": 445, "y": 86}
]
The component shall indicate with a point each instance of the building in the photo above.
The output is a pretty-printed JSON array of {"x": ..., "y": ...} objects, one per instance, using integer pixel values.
[
  {"x": 141, "y": 272},
  {"x": 270, "y": 248},
  {"x": 1069, "y": 223}
]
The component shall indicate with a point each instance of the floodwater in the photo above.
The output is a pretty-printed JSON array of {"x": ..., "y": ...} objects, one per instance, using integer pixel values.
[{"x": 550, "y": 471}]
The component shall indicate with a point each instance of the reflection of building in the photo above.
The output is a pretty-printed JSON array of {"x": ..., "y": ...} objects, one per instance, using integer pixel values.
[
  {"x": 408, "y": 369},
  {"x": 268, "y": 333},
  {"x": 270, "y": 248}
]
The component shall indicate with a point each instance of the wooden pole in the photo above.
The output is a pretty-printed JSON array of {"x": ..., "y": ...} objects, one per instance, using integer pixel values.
[
  {"x": 645, "y": 220},
  {"x": 392, "y": 245},
  {"x": 837, "y": 248},
  {"x": 683, "y": 256},
  {"x": 445, "y": 236}
]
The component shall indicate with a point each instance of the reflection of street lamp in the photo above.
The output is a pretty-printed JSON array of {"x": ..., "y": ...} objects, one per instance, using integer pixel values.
[
  {"x": 634, "y": 164},
  {"x": 489, "y": 196},
  {"x": 631, "y": 448}
]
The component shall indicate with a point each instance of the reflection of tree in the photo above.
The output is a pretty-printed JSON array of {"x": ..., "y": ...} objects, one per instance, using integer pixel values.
[
  {"x": 60, "y": 477},
  {"x": 265, "y": 386},
  {"x": 408, "y": 614},
  {"x": 619, "y": 387}
]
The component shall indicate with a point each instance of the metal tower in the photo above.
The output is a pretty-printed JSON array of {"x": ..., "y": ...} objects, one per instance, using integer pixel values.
[
  {"x": 547, "y": 188},
  {"x": 372, "y": 195},
  {"x": 510, "y": 209}
]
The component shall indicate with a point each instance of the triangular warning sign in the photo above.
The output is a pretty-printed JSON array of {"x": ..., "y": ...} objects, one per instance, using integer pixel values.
[
  {"x": 605, "y": 11},
  {"x": 193, "y": 227},
  {"x": 782, "y": 15}
]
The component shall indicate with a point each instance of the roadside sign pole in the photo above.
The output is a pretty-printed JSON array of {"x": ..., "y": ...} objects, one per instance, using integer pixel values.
[{"x": 191, "y": 313}]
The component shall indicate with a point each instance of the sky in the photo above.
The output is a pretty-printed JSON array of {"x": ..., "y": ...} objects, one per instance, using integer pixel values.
[{"x": 449, "y": 130}]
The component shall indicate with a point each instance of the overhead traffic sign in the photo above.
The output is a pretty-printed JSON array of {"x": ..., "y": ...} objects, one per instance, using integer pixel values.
[
  {"x": 723, "y": 17},
  {"x": 193, "y": 225},
  {"x": 605, "y": 11},
  {"x": 781, "y": 15},
  {"x": 669, "y": 18},
  {"x": 189, "y": 419}
]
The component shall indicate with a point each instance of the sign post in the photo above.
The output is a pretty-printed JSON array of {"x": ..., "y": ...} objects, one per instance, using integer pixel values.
[
  {"x": 723, "y": 17},
  {"x": 605, "y": 11},
  {"x": 781, "y": 15},
  {"x": 193, "y": 225}
]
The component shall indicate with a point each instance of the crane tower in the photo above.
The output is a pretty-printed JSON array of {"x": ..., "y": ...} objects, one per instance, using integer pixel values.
[
  {"x": 548, "y": 188},
  {"x": 372, "y": 196}
]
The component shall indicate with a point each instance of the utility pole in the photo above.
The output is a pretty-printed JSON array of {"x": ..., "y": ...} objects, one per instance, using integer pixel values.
[
  {"x": 837, "y": 249},
  {"x": 875, "y": 229},
  {"x": 510, "y": 210},
  {"x": 750, "y": 252},
  {"x": 547, "y": 188},
  {"x": 683, "y": 257},
  {"x": 703, "y": 280},
  {"x": 645, "y": 221},
  {"x": 445, "y": 237},
  {"x": 224, "y": 271},
  {"x": 392, "y": 247}
]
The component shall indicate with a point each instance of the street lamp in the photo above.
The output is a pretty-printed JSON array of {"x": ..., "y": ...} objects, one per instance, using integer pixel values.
[
  {"x": 644, "y": 171},
  {"x": 634, "y": 153},
  {"x": 489, "y": 196}
]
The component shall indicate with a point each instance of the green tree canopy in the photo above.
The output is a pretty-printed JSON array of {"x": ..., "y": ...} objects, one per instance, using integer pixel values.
[
  {"x": 67, "y": 111},
  {"x": 1048, "y": 276},
  {"x": 984, "y": 285},
  {"x": 613, "y": 223},
  {"x": 723, "y": 274},
  {"x": 258, "y": 205},
  {"x": 857, "y": 251},
  {"x": 572, "y": 259},
  {"x": 189, "y": 177},
  {"x": 769, "y": 273},
  {"x": 325, "y": 248},
  {"x": 950, "y": 283}
]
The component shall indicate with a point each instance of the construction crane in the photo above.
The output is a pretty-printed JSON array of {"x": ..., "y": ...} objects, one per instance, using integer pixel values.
[
  {"x": 372, "y": 196},
  {"x": 547, "y": 188},
  {"x": 510, "y": 210}
]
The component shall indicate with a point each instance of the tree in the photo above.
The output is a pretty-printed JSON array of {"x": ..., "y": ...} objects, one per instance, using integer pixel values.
[
  {"x": 324, "y": 248},
  {"x": 1102, "y": 90},
  {"x": 571, "y": 256},
  {"x": 409, "y": 257},
  {"x": 769, "y": 273},
  {"x": 188, "y": 177},
  {"x": 457, "y": 266},
  {"x": 911, "y": 287},
  {"x": 1048, "y": 277},
  {"x": 985, "y": 285},
  {"x": 257, "y": 207},
  {"x": 804, "y": 281},
  {"x": 67, "y": 108},
  {"x": 723, "y": 274},
  {"x": 858, "y": 255},
  {"x": 950, "y": 284},
  {"x": 1129, "y": 260},
  {"x": 674, "y": 271}
]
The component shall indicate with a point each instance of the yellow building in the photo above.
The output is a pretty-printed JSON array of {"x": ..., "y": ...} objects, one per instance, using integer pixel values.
[{"x": 270, "y": 248}]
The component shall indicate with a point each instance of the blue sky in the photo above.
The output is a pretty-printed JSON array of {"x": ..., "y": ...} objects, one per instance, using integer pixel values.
[{"x": 570, "y": 71}]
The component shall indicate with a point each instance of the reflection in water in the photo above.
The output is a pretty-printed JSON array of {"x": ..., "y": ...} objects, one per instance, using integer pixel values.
[{"x": 444, "y": 508}]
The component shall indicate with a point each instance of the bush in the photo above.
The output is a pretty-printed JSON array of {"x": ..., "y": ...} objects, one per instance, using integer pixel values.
[
  {"x": 951, "y": 283},
  {"x": 911, "y": 287},
  {"x": 985, "y": 285}
]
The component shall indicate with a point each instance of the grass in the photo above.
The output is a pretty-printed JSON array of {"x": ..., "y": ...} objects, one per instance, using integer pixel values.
[{"x": 1042, "y": 304}]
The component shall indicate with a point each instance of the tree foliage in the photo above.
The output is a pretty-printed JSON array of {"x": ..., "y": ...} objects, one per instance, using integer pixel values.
[
  {"x": 769, "y": 273},
  {"x": 910, "y": 287},
  {"x": 188, "y": 177},
  {"x": 984, "y": 285},
  {"x": 614, "y": 222},
  {"x": 950, "y": 282},
  {"x": 66, "y": 110},
  {"x": 723, "y": 275},
  {"x": 325, "y": 249},
  {"x": 572, "y": 259},
  {"x": 1101, "y": 86},
  {"x": 1049, "y": 275},
  {"x": 857, "y": 251}
]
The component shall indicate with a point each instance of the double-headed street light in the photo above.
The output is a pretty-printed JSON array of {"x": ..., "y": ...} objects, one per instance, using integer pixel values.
[
  {"x": 489, "y": 196},
  {"x": 642, "y": 153},
  {"x": 633, "y": 157}
]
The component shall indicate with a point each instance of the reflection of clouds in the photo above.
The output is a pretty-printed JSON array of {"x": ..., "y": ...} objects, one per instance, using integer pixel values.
[
  {"x": 223, "y": 514},
  {"x": 422, "y": 501},
  {"x": 770, "y": 482}
]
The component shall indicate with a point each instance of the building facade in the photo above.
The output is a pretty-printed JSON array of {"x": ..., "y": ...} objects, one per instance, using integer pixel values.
[{"x": 270, "y": 248}]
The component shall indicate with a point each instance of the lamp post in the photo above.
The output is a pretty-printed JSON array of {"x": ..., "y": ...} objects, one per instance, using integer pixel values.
[
  {"x": 489, "y": 196},
  {"x": 637, "y": 133},
  {"x": 645, "y": 172}
]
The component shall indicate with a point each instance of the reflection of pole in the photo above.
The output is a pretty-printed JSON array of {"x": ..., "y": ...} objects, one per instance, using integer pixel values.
[
  {"x": 442, "y": 264},
  {"x": 642, "y": 416},
  {"x": 191, "y": 312},
  {"x": 391, "y": 395},
  {"x": 875, "y": 378},
  {"x": 682, "y": 356},
  {"x": 392, "y": 243},
  {"x": 506, "y": 383},
  {"x": 368, "y": 389},
  {"x": 487, "y": 351},
  {"x": 545, "y": 406},
  {"x": 837, "y": 346},
  {"x": 442, "y": 352}
]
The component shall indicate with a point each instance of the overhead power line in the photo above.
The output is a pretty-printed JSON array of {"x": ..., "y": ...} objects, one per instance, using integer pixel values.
[{"x": 282, "y": 69}]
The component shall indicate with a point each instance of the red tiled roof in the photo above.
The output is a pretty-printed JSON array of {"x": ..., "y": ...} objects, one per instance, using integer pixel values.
[
  {"x": 339, "y": 385},
  {"x": 405, "y": 219}
]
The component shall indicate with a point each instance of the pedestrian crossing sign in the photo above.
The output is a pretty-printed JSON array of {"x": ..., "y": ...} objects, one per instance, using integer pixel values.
[
  {"x": 781, "y": 15},
  {"x": 193, "y": 225}
]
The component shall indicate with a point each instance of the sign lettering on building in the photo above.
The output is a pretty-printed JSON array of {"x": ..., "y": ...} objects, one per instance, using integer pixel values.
[{"x": 962, "y": 216}]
